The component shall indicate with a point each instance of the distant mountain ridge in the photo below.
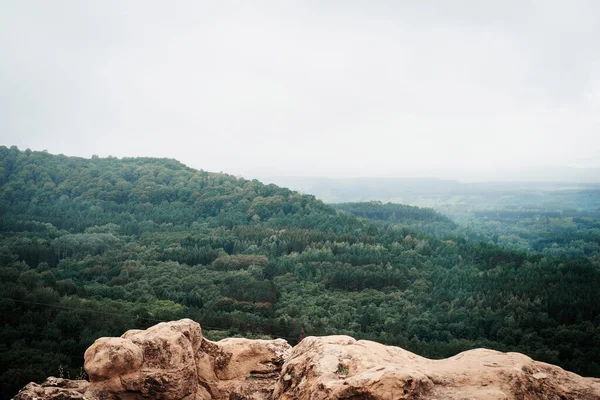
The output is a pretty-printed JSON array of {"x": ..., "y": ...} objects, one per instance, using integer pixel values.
[
  {"x": 426, "y": 192},
  {"x": 539, "y": 174}
]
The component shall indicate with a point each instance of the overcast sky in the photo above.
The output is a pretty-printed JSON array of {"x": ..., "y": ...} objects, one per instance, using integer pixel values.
[{"x": 306, "y": 88}]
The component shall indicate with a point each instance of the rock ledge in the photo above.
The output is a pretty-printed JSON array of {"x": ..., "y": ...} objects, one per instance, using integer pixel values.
[{"x": 173, "y": 361}]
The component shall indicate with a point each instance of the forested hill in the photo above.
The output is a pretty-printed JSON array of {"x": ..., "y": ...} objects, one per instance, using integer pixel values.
[
  {"x": 93, "y": 247},
  {"x": 131, "y": 191},
  {"x": 425, "y": 219}
]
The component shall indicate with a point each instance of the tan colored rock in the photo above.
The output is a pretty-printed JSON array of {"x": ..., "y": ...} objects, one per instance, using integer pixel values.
[
  {"x": 252, "y": 367},
  {"x": 157, "y": 363},
  {"x": 173, "y": 361},
  {"x": 256, "y": 357},
  {"x": 339, "y": 367},
  {"x": 112, "y": 356},
  {"x": 53, "y": 389}
]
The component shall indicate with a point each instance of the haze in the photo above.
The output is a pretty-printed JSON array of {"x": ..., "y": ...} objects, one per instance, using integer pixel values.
[{"x": 337, "y": 89}]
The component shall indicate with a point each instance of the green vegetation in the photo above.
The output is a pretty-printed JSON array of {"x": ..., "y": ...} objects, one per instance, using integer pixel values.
[
  {"x": 570, "y": 233},
  {"x": 423, "y": 219},
  {"x": 93, "y": 247},
  {"x": 342, "y": 369},
  {"x": 550, "y": 232}
]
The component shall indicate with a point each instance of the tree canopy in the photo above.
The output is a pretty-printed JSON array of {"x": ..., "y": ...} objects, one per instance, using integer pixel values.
[{"x": 93, "y": 247}]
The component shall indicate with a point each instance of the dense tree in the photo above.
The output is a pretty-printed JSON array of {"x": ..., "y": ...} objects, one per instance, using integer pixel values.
[{"x": 93, "y": 247}]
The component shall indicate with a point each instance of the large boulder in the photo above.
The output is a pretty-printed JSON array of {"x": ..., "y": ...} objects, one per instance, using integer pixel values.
[
  {"x": 173, "y": 361},
  {"x": 339, "y": 367},
  {"x": 156, "y": 363}
]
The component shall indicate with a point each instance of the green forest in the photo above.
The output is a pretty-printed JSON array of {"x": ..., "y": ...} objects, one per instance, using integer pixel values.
[
  {"x": 93, "y": 247},
  {"x": 550, "y": 230}
]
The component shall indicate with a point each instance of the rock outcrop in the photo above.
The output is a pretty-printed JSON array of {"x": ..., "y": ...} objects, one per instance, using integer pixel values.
[
  {"x": 339, "y": 367},
  {"x": 54, "y": 389},
  {"x": 173, "y": 361}
]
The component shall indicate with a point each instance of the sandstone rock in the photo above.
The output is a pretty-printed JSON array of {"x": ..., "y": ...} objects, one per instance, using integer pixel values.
[
  {"x": 54, "y": 389},
  {"x": 173, "y": 361},
  {"x": 252, "y": 367},
  {"x": 339, "y": 367},
  {"x": 156, "y": 363}
]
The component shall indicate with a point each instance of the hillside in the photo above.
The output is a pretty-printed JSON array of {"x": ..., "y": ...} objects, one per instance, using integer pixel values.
[
  {"x": 548, "y": 231},
  {"x": 422, "y": 219},
  {"x": 93, "y": 247}
]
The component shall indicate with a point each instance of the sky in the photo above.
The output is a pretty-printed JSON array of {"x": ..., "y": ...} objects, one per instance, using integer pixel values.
[{"x": 307, "y": 88}]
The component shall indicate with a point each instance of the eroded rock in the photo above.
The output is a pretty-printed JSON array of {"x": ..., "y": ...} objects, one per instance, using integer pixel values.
[
  {"x": 339, "y": 367},
  {"x": 252, "y": 367},
  {"x": 173, "y": 361},
  {"x": 54, "y": 389}
]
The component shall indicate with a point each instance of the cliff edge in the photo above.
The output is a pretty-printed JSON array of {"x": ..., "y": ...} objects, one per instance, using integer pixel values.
[{"x": 173, "y": 361}]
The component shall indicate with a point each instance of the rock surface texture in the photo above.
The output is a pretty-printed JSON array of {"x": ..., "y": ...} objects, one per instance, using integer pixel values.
[
  {"x": 339, "y": 367},
  {"x": 172, "y": 361},
  {"x": 54, "y": 389}
]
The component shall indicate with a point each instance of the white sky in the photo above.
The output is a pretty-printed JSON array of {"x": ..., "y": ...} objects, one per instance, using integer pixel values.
[{"x": 308, "y": 88}]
